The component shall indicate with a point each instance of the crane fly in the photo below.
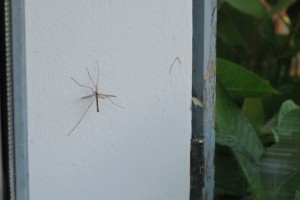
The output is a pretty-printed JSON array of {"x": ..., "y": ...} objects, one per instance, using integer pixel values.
[{"x": 95, "y": 93}]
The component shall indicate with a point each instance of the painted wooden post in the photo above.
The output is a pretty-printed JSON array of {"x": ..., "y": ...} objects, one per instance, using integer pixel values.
[
  {"x": 204, "y": 69},
  {"x": 147, "y": 51}
]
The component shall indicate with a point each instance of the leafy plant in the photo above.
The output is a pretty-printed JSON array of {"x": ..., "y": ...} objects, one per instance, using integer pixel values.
[
  {"x": 269, "y": 173},
  {"x": 233, "y": 129},
  {"x": 257, "y": 112}
]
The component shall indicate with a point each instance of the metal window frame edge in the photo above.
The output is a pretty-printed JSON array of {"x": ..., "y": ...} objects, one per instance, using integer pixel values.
[{"x": 17, "y": 99}]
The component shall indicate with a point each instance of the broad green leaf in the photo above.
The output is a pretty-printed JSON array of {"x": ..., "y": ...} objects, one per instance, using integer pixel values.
[
  {"x": 270, "y": 125},
  {"x": 280, "y": 169},
  {"x": 281, "y": 163},
  {"x": 219, "y": 3},
  {"x": 286, "y": 106},
  {"x": 250, "y": 7},
  {"x": 229, "y": 177},
  {"x": 267, "y": 132},
  {"x": 273, "y": 103},
  {"x": 236, "y": 132},
  {"x": 280, "y": 5},
  {"x": 254, "y": 111},
  {"x": 241, "y": 83},
  {"x": 233, "y": 128},
  {"x": 297, "y": 195},
  {"x": 289, "y": 125},
  {"x": 229, "y": 32}
]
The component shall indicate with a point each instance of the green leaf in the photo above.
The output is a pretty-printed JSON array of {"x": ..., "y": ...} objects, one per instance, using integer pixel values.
[
  {"x": 280, "y": 5},
  {"x": 270, "y": 125},
  {"x": 233, "y": 128},
  {"x": 297, "y": 195},
  {"x": 254, "y": 111},
  {"x": 286, "y": 106},
  {"x": 241, "y": 83},
  {"x": 229, "y": 177},
  {"x": 236, "y": 132},
  {"x": 289, "y": 125},
  {"x": 250, "y": 7},
  {"x": 280, "y": 164},
  {"x": 219, "y": 3},
  {"x": 280, "y": 169},
  {"x": 229, "y": 32}
]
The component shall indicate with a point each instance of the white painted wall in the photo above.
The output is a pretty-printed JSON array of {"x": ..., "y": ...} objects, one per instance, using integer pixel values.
[{"x": 137, "y": 153}]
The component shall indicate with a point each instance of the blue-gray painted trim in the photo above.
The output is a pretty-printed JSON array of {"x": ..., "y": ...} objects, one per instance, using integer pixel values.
[
  {"x": 204, "y": 83},
  {"x": 20, "y": 99}
]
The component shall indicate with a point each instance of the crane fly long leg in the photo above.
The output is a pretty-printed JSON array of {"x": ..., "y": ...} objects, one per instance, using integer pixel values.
[
  {"x": 112, "y": 101},
  {"x": 104, "y": 96},
  {"x": 81, "y": 84},
  {"x": 94, "y": 94},
  {"x": 91, "y": 77},
  {"x": 98, "y": 73},
  {"x": 81, "y": 117}
]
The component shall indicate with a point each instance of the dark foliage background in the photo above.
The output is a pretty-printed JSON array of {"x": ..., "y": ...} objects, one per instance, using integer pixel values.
[{"x": 258, "y": 93}]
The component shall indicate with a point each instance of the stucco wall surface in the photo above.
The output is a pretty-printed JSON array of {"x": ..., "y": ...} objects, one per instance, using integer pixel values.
[{"x": 140, "y": 152}]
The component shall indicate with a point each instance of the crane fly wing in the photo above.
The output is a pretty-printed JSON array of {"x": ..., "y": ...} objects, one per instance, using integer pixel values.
[
  {"x": 89, "y": 96},
  {"x": 105, "y": 95}
]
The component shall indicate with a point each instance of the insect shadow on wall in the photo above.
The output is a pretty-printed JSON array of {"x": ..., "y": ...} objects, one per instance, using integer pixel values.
[{"x": 96, "y": 95}]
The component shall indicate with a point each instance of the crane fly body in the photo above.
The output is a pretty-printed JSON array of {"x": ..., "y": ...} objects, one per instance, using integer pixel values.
[
  {"x": 95, "y": 93},
  {"x": 97, "y": 96}
]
